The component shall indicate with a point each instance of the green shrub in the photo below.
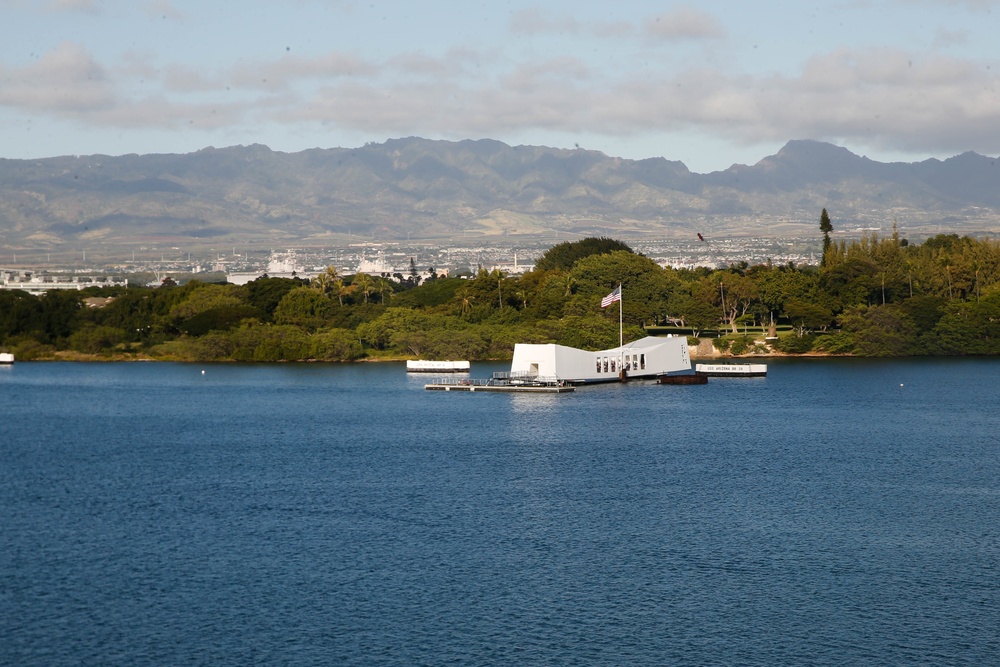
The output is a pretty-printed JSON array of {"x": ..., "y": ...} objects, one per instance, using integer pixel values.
[
  {"x": 795, "y": 344},
  {"x": 835, "y": 343},
  {"x": 93, "y": 339},
  {"x": 739, "y": 345},
  {"x": 336, "y": 345},
  {"x": 26, "y": 348}
]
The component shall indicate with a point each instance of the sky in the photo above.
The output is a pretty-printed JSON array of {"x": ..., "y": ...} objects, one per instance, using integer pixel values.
[{"x": 710, "y": 83}]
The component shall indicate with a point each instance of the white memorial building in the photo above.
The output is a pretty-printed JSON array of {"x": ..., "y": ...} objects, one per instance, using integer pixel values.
[{"x": 643, "y": 358}]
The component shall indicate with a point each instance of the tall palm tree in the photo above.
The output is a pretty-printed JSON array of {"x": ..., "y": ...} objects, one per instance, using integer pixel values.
[
  {"x": 342, "y": 289},
  {"x": 382, "y": 285},
  {"x": 498, "y": 275},
  {"x": 946, "y": 263},
  {"x": 465, "y": 300},
  {"x": 363, "y": 282},
  {"x": 324, "y": 282}
]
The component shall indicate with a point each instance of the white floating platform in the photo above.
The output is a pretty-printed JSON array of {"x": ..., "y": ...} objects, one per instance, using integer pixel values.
[
  {"x": 424, "y": 366},
  {"x": 732, "y": 370},
  {"x": 506, "y": 389},
  {"x": 504, "y": 383}
]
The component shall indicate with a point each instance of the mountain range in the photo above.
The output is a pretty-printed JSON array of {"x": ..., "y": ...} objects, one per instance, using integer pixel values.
[{"x": 415, "y": 188}]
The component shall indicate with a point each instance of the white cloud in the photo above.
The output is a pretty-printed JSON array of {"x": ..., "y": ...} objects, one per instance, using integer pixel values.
[
  {"x": 163, "y": 9},
  {"x": 973, "y": 5},
  {"x": 65, "y": 80},
  {"x": 680, "y": 23},
  {"x": 684, "y": 23},
  {"x": 536, "y": 22},
  {"x": 885, "y": 98},
  {"x": 288, "y": 70},
  {"x": 163, "y": 113},
  {"x": 85, "y": 6}
]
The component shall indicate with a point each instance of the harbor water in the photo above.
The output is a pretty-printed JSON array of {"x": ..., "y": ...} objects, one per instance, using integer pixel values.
[{"x": 838, "y": 511}]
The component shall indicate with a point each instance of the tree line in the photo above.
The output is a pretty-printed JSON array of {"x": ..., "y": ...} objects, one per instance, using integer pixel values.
[{"x": 874, "y": 296}]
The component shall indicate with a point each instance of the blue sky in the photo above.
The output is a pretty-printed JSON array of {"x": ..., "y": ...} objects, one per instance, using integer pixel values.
[{"x": 711, "y": 83}]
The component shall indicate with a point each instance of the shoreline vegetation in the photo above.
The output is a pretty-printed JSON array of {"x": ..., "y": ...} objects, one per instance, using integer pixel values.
[
  {"x": 874, "y": 297},
  {"x": 79, "y": 357}
]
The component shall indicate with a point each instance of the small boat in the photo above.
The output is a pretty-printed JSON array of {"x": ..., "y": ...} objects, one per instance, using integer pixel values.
[
  {"x": 686, "y": 378},
  {"x": 424, "y": 366},
  {"x": 6, "y": 358},
  {"x": 732, "y": 370}
]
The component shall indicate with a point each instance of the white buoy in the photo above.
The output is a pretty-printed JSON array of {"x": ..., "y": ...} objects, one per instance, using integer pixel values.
[{"x": 203, "y": 372}]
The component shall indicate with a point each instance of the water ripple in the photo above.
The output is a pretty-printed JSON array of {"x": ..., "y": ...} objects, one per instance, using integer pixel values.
[{"x": 322, "y": 514}]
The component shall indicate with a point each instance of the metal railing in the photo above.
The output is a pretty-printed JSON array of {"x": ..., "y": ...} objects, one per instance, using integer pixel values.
[
  {"x": 504, "y": 378},
  {"x": 455, "y": 382}
]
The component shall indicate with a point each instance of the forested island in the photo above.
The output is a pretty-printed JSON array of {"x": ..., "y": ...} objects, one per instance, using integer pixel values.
[{"x": 875, "y": 296}]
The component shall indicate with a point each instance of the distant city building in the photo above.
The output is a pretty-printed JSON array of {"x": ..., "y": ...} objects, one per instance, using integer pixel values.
[
  {"x": 515, "y": 269},
  {"x": 376, "y": 267},
  {"x": 40, "y": 284},
  {"x": 279, "y": 265},
  {"x": 380, "y": 267}
]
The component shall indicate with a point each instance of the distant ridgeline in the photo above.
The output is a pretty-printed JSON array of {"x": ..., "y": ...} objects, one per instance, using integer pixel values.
[
  {"x": 416, "y": 188},
  {"x": 875, "y": 296}
]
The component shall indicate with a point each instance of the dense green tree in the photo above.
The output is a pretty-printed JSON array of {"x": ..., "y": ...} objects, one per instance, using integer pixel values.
[
  {"x": 265, "y": 293},
  {"x": 646, "y": 287},
  {"x": 20, "y": 313},
  {"x": 563, "y": 256},
  {"x": 853, "y": 282},
  {"x": 204, "y": 297},
  {"x": 826, "y": 227},
  {"x": 379, "y": 332},
  {"x": 589, "y": 333},
  {"x": 304, "y": 307},
  {"x": 336, "y": 345},
  {"x": 326, "y": 281},
  {"x": 60, "y": 311},
  {"x": 94, "y": 339},
  {"x": 214, "y": 346},
  {"x": 282, "y": 343},
  {"x": 547, "y": 293},
  {"x": 699, "y": 315},
  {"x": 807, "y": 316},
  {"x": 363, "y": 285},
  {"x": 442, "y": 344},
  {"x": 488, "y": 292},
  {"x": 925, "y": 310},
  {"x": 736, "y": 294},
  {"x": 438, "y": 292},
  {"x": 222, "y": 318},
  {"x": 880, "y": 331},
  {"x": 971, "y": 328},
  {"x": 776, "y": 285}
]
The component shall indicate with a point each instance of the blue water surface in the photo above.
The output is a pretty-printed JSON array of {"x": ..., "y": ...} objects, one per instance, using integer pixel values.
[{"x": 836, "y": 512}]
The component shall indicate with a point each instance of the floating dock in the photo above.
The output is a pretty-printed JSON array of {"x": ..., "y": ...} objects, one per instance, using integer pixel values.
[
  {"x": 509, "y": 389},
  {"x": 686, "y": 378},
  {"x": 424, "y": 366},
  {"x": 505, "y": 383}
]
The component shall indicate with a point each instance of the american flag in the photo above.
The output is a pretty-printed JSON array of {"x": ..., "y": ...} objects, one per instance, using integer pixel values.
[{"x": 616, "y": 295}]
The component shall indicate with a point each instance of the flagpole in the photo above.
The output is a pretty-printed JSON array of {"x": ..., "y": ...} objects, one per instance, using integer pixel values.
[{"x": 620, "y": 299}]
